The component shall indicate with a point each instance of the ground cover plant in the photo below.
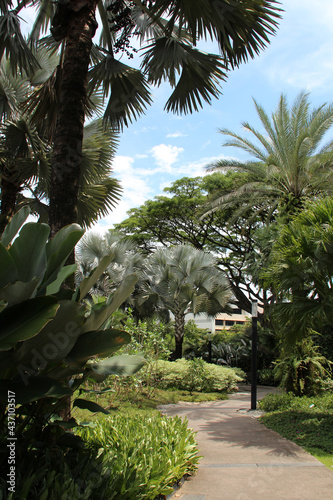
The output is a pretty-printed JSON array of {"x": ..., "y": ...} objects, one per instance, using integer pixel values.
[
  {"x": 144, "y": 456},
  {"x": 122, "y": 457},
  {"x": 307, "y": 421}
]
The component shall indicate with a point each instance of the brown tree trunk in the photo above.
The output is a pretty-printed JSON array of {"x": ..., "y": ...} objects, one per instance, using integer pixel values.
[
  {"x": 9, "y": 192},
  {"x": 179, "y": 334},
  {"x": 75, "y": 22}
]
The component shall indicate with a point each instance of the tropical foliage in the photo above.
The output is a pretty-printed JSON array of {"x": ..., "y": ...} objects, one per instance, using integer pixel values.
[
  {"x": 301, "y": 270},
  {"x": 48, "y": 342},
  {"x": 26, "y": 149},
  {"x": 175, "y": 218},
  {"x": 193, "y": 375},
  {"x": 304, "y": 370},
  {"x": 124, "y": 457}
]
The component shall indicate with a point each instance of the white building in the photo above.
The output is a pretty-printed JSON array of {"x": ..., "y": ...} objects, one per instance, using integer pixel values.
[{"x": 221, "y": 321}]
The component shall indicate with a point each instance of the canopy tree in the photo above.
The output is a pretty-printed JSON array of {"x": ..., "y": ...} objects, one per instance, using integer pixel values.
[
  {"x": 167, "y": 31},
  {"x": 183, "y": 279},
  {"x": 176, "y": 218}
]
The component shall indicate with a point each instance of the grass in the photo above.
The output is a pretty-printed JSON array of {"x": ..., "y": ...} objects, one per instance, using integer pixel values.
[
  {"x": 131, "y": 400},
  {"x": 307, "y": 422}
]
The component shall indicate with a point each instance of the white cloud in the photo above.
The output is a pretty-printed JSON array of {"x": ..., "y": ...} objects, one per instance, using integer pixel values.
[
  {"x": 165, "y": 156},
  {"x": 141, "y": 156},
  {"x": 176, "y": 134},
  {"x": 136, "y": 191}
]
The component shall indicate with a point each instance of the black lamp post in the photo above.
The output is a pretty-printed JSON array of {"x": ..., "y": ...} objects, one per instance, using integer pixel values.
[
  {"x": 254, "y": 355},
  {"x": 212, "y": 330}
]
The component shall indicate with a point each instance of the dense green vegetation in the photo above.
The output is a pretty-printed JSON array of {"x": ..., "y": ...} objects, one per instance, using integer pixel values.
[{"x": 83, "y": 340}]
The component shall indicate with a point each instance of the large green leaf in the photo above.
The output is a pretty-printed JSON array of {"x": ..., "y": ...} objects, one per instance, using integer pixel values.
[
  {"x": 124, "y": 365},
  {"x": 59, "y": 248},
  {"x": 90, "y": 405},
  {"x": 89, "y": 282},
  {"x": 97, "y": 318},
  {"x": 8, "y": 271},
  {"x": 101, "y": 343},
  {"x": 19, "y": 292},
  {"x": 28, "y": 251},
  {"x": 63, "y": 274},
  {"x": 35, "y": 388},
  {"x": 14, "y": 225},
  {"x": 25, "y": 320},
  {"x": 56, "y": 339}
]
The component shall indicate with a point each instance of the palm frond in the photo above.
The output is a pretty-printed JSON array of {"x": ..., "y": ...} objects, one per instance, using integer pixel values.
[
  {"x": 129, "y": 94},
  {"x": 14, "y": 90},
  {"x": 44, "y": 15},
  {"x": 241, "y": 28},
  {"x": 97, "y": 200},
  {"x": 42, "y": 104},
  {"x": 14, "y": 46}
]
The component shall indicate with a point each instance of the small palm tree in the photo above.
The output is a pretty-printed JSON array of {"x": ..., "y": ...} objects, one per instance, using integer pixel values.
[
  {"x": 290, "y": 164},
  {"x": 125, "y": 260},
  {"x": 183, "y": 279}
]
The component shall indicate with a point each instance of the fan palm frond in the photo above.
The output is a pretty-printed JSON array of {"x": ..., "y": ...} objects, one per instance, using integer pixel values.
[
  {"x": 14, "y": 46},
  {"x": 129, "y": 94},
  {"x": 241, "y": 28}
]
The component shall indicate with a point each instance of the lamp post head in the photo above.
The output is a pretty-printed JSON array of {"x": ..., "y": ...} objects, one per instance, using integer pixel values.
[{"x": 254, "y": 308}]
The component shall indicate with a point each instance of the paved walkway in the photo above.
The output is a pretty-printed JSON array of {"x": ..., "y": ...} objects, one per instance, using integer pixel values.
[{"x": 242, "y": 460}]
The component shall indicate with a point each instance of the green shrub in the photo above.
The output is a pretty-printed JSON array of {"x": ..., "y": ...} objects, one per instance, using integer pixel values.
[
  {"x": 144, "y": 457},
  {"x": 266, "y": 377},
  {"x": 275, "y": 402},
  {"x": 287, "y": 401},
  {"x": 148, "y": 338},
  {"x": 303, "y": 371},
  {"x": 194, "y": 375},
  {"x": 42, "y": 474}
]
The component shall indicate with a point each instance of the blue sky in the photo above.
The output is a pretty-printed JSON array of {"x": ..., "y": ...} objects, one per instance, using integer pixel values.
[{"x": 160, "y": 147}]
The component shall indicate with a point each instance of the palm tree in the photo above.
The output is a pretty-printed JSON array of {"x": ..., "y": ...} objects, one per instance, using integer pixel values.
[
  {"x": 290, "y": 163},
  {"x": 124, "y": 255},
  {"x": 26, "y": 147},
  {"x": 168, "y": 31},
  {"x": 301, "y": 271},
  {"x": 183, "y": 279}
]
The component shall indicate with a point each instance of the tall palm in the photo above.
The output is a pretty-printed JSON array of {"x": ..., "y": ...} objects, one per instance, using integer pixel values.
[
  {"x": 168, "y": 31},
  {"x": 290, "y": 165},
  {"x": 183, "y": 279}
]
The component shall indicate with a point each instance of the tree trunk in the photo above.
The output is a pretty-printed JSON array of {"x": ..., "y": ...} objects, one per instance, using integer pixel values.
[
  {"x": 76, "y": 22},
  {"x": 9, "y": 192},
  {"x": 179, "y": 334}
]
